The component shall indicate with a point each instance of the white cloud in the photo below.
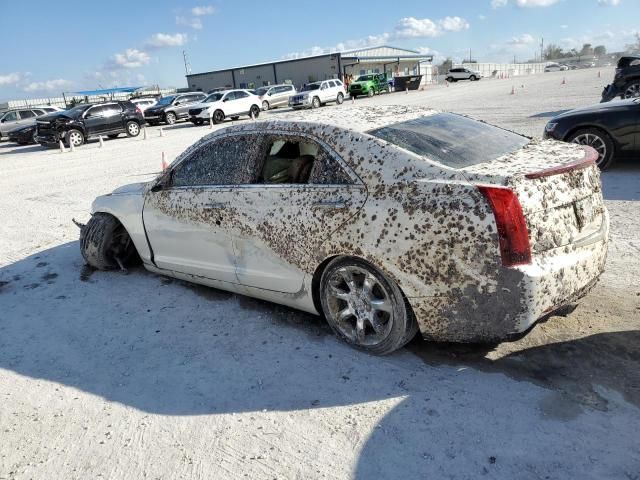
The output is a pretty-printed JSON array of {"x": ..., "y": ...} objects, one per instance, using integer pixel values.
[
  {"x": 161, "y": 40},
  {"x": 57, "y": 84},
  {"x": 202, "y": 11},
  {"x": 12, "y": 78},
  {"x": 482, "y": 17},
  {"x": 411, "y": 27},
  {"x": 525, "y": 3},
  {"x": 453, "y": 24},
  {"x": 194, "y": 22},
  {"x": 564, "y": 27},
  {"x": 524, "y": 39},
  {"x": 498, "y": 3},
  {"x": 608, "y": 3},
  {"x": 130, "y": 58}
]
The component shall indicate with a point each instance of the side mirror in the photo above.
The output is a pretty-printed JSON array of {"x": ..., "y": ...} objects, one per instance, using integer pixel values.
[{"x": 177, "y": 103}]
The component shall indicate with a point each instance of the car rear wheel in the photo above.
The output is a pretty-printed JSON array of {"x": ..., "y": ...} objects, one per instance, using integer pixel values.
[
  {"x": 315, "y": 103},
  {"x": 218, "y": 116},
  {"x": 340, "y": 99},
  {"x": 632, "y": 90},
  {"x": 75, "y": 138},
  {"x": 133, "y": 129},
  {"x": 105, "y": 243},
  {"x": 265, "y": 105},
  {"x": 473, "y": 78},
  {"x": 371, "y": 93},
  {"x": 170, "y": 118},
  {"x": 599, "y": 141},
  {"x": 254, "y": 112},
  {"x": 365, "y": 308}
]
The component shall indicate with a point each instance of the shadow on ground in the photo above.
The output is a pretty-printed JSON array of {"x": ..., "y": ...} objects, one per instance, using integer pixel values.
[{"x": 622, "y": 180}]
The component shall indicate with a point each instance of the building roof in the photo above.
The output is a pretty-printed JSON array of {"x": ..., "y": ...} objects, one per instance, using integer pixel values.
[
  {"x": 375, "y": 53},
  {"x": 108, "y": 91}
]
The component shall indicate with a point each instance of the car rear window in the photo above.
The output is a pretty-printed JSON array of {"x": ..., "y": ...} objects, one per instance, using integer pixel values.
[{"x": 453, "y": 140}]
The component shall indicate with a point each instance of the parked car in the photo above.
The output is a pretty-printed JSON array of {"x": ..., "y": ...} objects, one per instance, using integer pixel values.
[
  {"x": 552, "y": 67},
  {"x": 144, "y": 103},
  {"x": 221, "y": 105},
  {"x": 388, "y": 220},
  {"x": 23, "y": 135},
  {"x": 88, "y": 120},
  {"x": 274, "y": 96},
  {"x": 316, "y": 94},
  {"x": 369, "y": 85},
  {"x": 626, "y": 82},
  {"x": 12, "y": 119},
  {"x": 456, "y": 74},
  {"x": 172, "y": 108},
  {"x": 612, "y": 129},
  {"x": 563, "y": 67}
]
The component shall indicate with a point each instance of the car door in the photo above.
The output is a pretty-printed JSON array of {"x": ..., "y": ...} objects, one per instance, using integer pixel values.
[
  {"x": 230, "y": 103},
  {"x": 9, "y": 121},
  {"x": 325, "y": 92},
  {"x": 112, "y": 115},
  {"x": 94, "y": 120},
  {"x": 27, "y": 117},
  {"x": 189, "y": 216},
  {"x": 280, "y": 227}
]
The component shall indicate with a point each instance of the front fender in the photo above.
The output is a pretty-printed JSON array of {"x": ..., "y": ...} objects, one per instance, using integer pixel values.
[{"x": 127, "y": 208}]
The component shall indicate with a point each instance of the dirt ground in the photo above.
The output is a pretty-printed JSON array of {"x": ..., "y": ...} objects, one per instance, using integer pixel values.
[{"x": 138, "y": 376}]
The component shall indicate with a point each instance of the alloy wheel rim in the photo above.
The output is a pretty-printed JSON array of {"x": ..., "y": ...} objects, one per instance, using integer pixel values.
[
  {"x": 265, "y": 105},
  {"x": 75, "y": 138},
  {"x": 633, "y": 91},
  {"x": 360, "y": 305},
  {"x": 218, "y": 116},
  {"x": 595, "y": 142},
  {"x": 171, "y": 119},
  {"x": 133, "y": 128}
]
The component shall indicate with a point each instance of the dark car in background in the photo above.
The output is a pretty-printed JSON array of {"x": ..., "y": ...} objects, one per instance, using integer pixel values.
[
  {"x": 23, "y": 135},
  {"x": 612, "y": 129},
  {"x": 84, "y": 121},
  {"x": 626, "y": 82},
  {"x": 172, "y": 108}
]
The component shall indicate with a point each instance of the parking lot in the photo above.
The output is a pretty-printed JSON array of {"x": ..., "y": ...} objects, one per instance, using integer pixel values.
[{"x": 138, "y": 376}]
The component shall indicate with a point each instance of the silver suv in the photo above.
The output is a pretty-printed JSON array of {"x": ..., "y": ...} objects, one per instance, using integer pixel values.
[
  {"x": 273, "y": 96},
  {"x": 21, "y": 117},
  {"x": 456, "y": 74}
]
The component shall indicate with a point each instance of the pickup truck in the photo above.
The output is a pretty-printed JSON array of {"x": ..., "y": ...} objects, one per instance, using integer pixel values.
[{"x": 369, "y": 85}]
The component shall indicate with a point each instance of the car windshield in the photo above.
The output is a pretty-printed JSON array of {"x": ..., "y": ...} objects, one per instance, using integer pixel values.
[
  {"x": 75, "y": 111},
  {"x": 453, "y": 140},
  {"x": 364, "y": 78},
  {"x": 214, "y": 97},
  {"x": 311, "y": 86},
  {"x": 166, "y": 100}
]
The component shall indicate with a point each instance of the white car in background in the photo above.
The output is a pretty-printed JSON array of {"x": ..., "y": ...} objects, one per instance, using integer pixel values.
[
  {"x": 228, "y": 103},
  {"x": 456, "y": 74},
  {"x": 144, "y": 103},
  {"x": 273, "y": 96},
  {"x": 316, "y": 94},
  {"x": 555, "y": 67}
]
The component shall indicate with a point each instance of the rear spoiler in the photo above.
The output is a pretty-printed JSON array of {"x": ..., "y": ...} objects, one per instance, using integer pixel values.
[{"x": 589, "y": 159}]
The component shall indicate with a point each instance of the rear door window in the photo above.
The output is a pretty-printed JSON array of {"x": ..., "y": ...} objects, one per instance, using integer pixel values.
[
  {"x": 452, "y": 140},
  {"x": 10, "y": 117},
  {"x": 24, "y": 114}
]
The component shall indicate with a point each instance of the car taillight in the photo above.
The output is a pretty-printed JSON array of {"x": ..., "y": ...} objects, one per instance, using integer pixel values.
[{"x": 512, "y": 226}]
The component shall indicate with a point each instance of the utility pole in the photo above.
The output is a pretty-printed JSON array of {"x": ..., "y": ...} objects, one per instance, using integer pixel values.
[
  {"x": 187, "y": 65},
  {"x": 542, "y": 50}
]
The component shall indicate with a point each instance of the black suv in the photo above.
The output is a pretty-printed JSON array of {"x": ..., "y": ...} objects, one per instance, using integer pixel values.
[
  {"x": 626, "y": 83},
  {"x": 84, "y": 121},
  {"x": 172, "y": 108}
]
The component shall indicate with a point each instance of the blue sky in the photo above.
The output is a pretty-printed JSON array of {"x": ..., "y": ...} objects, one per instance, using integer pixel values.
[{"x": 83, "y": 44}]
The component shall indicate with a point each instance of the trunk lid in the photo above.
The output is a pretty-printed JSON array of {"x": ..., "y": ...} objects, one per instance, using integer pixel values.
[{"x": 558, "y": 186}]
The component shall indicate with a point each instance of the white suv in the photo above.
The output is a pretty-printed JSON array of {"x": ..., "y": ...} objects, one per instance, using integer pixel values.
[
  {"x": 228, "y": 103},
  {"x": 456, "y": 74},
  {"x": 313, "y": 95}
]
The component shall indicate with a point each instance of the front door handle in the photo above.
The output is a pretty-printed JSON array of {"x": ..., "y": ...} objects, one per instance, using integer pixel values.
[
  {"x": 337, "y": 205},
  {"x": 214, "y": 206}
]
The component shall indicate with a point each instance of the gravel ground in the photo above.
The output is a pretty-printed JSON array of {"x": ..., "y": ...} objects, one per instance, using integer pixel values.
[{"x": 138, "y": 376}]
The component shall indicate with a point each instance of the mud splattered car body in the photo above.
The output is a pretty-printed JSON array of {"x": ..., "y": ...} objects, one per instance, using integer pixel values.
[{"x": 448, "y": 236}]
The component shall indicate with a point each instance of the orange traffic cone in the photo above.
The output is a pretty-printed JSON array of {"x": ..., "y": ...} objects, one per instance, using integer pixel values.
[{"x": 164, "y": 162}]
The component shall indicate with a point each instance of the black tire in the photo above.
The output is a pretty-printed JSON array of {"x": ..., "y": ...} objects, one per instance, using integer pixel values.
[
  {"x": 473, "y": 78},
  {"x": 254, "y": 111},
  {"x": 592, "y": 137},
  {"x": 632, "y": 90},
  {"x": 75, "y": 136},
  {"x": 103, "y": 239},
  {"x": 265, "y": 106},
  {"x": 449, "y": 79},
  {"x": 113, "y": 135},
  {"x": 132, "y": 128},
  {"x": 340, "y": 99},
  {"x": 170, "y": 118},
  {"x": 218, "y": 117},
  {"x": 197, "y": 121},
  {"x": 398, "y": 322},
  {"x": 371, "y": 92},
  {"x": 315, "y": 103}
]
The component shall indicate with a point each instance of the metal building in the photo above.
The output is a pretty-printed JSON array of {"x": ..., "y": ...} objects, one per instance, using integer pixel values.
[{"x": 392, "y": 60}]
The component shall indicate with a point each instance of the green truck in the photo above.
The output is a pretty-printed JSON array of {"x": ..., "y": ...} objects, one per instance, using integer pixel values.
[{"x": 369, "y": 85}]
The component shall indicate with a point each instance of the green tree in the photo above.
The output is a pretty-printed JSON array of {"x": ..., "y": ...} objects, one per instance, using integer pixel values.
[
  {"x": 552, "y": 52},
  {"x": 587, "y": 49},
  {"x": 635, "y": 46},
  {"x": 445, "y": 66},
  {"x": 600, "y": 51}
]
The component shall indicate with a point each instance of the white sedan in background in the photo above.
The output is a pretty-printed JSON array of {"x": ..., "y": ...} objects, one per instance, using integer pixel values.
[
  {"x": 225, "y": 104},
  {"x": 386, "y": 220}
]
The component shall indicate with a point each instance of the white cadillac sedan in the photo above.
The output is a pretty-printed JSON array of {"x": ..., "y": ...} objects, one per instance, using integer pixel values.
[{"x": 386, "y": 220}]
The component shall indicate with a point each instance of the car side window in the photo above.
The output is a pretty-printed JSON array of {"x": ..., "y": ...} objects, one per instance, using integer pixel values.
[
  {"x": 111, "y": 110},
  {"x": 298, "y": 160},
  {"x": 94, "y": 112},
  {"x": 220, "y": 162},
  {"x": 230, "y": 96},
  {"x": 38, "y": 112},
  {"x": 10, "y": 117},
  {"x": 24, "y": 114},
  {"x": 241, "y": 94}
]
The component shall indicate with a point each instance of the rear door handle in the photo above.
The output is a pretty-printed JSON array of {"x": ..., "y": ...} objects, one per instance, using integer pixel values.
[
  {"x": 331, "y": 205},
  {"x": 214, "y": 206}
]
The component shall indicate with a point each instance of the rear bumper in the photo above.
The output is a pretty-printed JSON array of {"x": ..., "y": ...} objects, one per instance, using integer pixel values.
[{"x": 518, "y": 298}]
